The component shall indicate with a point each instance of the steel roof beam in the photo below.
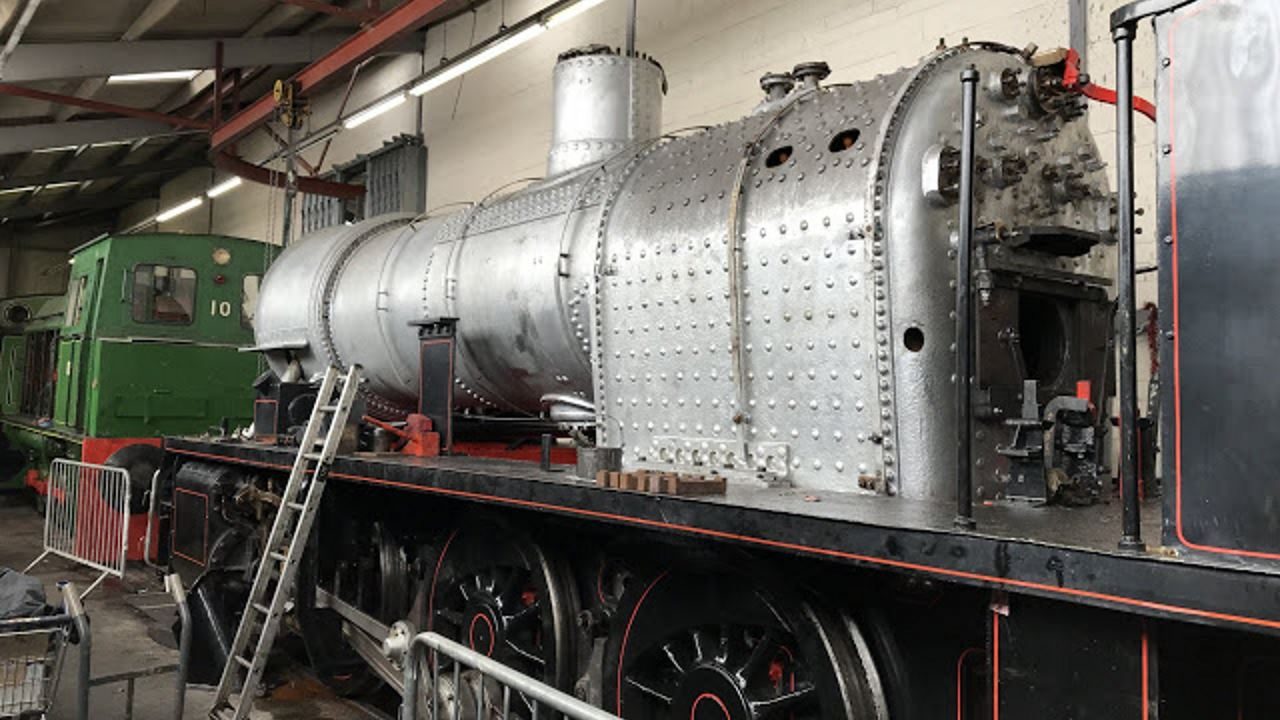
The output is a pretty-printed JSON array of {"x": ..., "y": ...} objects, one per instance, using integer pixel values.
[
  {"x": 96, "y": 201},
  {"x": 335, "y": 10},
  {"x": 103, "y": 107},
  {"x": 53, "y": 61},
  {"x": 151, "y": 15},
  {"x": 392, "y": 25},
  {"x": 44, "y": 136}
]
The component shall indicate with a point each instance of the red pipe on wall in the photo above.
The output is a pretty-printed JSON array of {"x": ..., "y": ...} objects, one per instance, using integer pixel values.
[{"x": 276, "y": 178}]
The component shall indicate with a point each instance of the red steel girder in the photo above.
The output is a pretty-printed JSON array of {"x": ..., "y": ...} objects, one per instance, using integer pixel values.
[
  {"x": 404, "y": 18},
  {"x": 336, "y": 10},
  {"x": 103, "y": 107},
  {"x": 275, "y": 178}
]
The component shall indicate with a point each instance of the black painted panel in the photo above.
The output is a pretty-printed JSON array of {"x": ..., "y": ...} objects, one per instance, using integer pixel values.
[{"x": 1220, "y": 222}]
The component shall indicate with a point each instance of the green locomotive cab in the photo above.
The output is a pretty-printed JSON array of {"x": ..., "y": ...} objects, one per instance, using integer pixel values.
[{"x": 148, "y": 345}]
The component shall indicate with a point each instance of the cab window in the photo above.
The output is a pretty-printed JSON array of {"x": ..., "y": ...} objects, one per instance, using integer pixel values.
[
  {"x": 164, "y": 294},
  {"x": 76, "y": 299},
  {"x": 249, "y": 299}
]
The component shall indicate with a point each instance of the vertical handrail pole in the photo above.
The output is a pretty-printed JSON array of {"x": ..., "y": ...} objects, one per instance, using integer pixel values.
[
  {"x": 71, "y": 603},
  {"x": 179, "y": 593},
  {"x": 964, "y": 311},
  {"x": 1126, "y": 300}
]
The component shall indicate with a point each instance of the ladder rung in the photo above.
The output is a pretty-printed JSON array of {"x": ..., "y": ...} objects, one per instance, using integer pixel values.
[{"x": 258, "y": 627}]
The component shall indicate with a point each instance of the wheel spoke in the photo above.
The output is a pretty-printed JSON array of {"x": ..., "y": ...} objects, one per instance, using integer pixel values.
[
  {"x": 523, "y": 616},
  {"x": 787, "y": 700},
  {"x": 722, "y": 655},
  {"x": 663, "y": 697},
  {"x": 759, "y": 657},
  {"x": 453, "y": 617},
  {"x": 698, "y": 654},
  {"x": 671, "y": 656},
  {"x": 526, "y": 654},
  {"x": 510, "y": 581}
]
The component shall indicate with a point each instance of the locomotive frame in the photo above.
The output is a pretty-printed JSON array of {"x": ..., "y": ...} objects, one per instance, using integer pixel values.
[{"x": 888, "y": 609}]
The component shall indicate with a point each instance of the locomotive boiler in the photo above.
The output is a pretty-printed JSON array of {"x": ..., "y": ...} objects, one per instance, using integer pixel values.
[{"x": 772, "y": 298}]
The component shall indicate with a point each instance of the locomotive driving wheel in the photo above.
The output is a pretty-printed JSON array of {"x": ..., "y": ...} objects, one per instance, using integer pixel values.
[
  {"x": 501, "y": 594},
  {"x": 711, "y": 647}
]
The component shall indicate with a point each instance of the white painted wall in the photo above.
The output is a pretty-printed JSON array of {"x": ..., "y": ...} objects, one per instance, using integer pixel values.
[{"x": 493, "y": 125}]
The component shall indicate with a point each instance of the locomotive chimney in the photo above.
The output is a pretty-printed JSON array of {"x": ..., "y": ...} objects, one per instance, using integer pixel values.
[{"x": 603, "y": 102}]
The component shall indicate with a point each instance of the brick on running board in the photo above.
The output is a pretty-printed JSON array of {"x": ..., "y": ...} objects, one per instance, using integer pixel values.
[{"x": 698, "y": 485}]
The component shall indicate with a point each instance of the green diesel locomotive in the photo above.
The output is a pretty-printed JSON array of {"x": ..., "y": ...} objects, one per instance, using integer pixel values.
[{"x": 147, "y": 345}]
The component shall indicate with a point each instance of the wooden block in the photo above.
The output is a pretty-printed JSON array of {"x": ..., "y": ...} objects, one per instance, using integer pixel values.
[
  {"x": 614, "y": 479},
  {"x": 693, "y": 485},
  {"x": 669, "y": 484},
  {"x": 602, "y": 478}
]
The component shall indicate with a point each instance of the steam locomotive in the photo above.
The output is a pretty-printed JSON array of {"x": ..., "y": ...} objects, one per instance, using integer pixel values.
[{"x": 734, "y": 351}]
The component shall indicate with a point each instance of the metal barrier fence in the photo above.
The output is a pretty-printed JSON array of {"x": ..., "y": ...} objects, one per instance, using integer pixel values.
[
  {"x": 87, "y": 517},
  {"x": 496, "y": 690}
]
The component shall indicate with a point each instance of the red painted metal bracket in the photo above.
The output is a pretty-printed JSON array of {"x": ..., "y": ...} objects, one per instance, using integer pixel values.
[{"x": 1071, "y": 80}]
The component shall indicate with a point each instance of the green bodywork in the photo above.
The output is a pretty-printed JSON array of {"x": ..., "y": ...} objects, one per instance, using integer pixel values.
[{"x": 140, "y": 352}]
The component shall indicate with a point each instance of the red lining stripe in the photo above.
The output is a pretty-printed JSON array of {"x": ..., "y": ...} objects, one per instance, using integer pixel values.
[
  {"x": 1177, "y": 335},
  {"x": 626, "y": 635},
  {"x": 995, "y": 664},
  {"x": 1146, "y": 675},
  {"x": 794, "y": 547},
  {"x": 173, "y": 541},
  {"x": 964, "y": 655}
]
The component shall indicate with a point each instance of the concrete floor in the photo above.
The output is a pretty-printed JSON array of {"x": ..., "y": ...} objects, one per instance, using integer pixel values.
[{"x": 131, "y": 622}]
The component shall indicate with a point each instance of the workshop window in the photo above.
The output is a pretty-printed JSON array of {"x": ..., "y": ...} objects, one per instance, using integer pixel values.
[
  {"x": 76, "y": 299},
  {"x": 163, "y": 294},
  {"x": 249, "y": 299}
]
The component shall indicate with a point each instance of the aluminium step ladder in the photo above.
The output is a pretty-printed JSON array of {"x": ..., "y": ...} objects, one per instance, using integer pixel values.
[{"x": 278, "y": 568}]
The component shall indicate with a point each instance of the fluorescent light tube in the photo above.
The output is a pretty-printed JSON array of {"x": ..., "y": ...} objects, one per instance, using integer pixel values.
[
  {"x": 225, "y": 186},
  {"x": 179, "y": 209},
  {"x": 373, "y": 111},
  {"x": 459, "y": 69},
  {"x": 571, "y": 12},
  {"x": 148, "y": 77}
]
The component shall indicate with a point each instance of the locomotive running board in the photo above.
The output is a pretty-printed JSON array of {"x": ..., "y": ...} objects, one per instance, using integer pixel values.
[{"x": 278, "y": 569}]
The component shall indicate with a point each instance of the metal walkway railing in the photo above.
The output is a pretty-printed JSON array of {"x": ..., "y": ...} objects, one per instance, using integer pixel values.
[{"x": 535, "y": 697}]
